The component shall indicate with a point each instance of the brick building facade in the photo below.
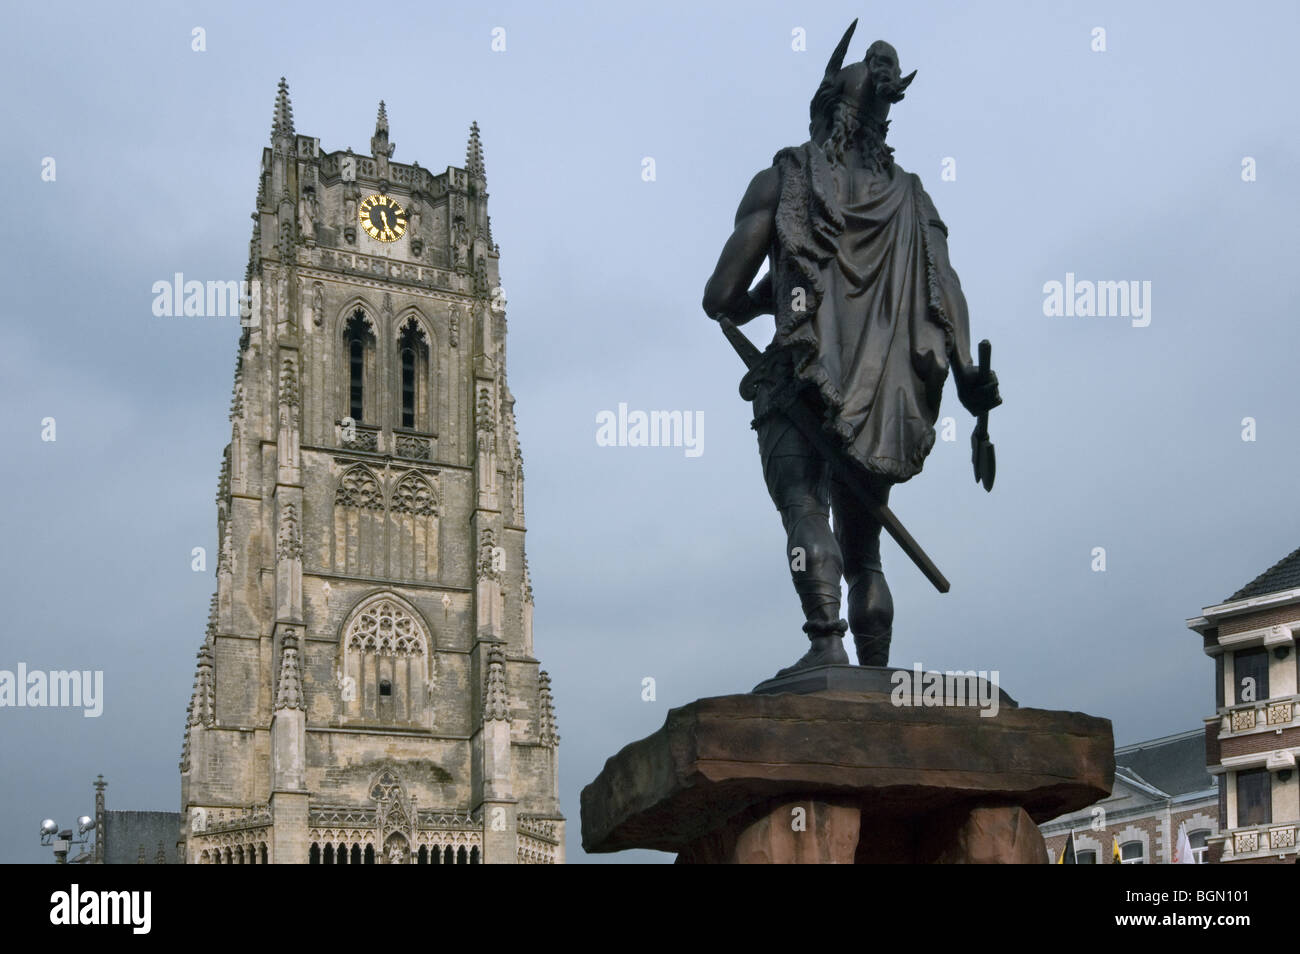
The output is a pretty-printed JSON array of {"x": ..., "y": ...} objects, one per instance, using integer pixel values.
[
  {"x": 1253, "y": 738},
  {"x": 1159, "y": 786}
]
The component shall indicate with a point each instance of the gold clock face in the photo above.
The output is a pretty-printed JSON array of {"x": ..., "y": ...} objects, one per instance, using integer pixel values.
[{"x": 382, "y": 218}]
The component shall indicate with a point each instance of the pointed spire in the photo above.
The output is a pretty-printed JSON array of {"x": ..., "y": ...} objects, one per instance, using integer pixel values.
[
  {"x": 237, "y": 389},
  {"x": 100, "y": 785},
  {"x": 379, "y": 145},
  {"x": 226, "y": 557},
  {"x": 282, "y": 123},
  {"x": 496, "y": 703},
  {"x": 474, "y": 154},
  {"x": 185, "y": 741},
  {"x": 223, "y": 479},
  {"x": 289, "y": 695},
  {"x": 212, "y": 617},
  {"x": 161, "y": 857},
  {"x": 203, "y": 705},
  {"x": 548, "y": 729}
]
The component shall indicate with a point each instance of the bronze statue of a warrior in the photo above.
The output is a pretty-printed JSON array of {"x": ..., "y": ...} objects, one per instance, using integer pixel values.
[{"x": 869, "y": 316}]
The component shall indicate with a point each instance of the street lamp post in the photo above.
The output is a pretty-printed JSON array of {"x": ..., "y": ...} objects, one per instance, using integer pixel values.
[{"x": 62, "y": 841}]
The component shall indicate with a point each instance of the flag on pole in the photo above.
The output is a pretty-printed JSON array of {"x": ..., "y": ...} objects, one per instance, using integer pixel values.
[
  {"x": 1067, "y": 853},
  {"x": 1183, "y": 847}
]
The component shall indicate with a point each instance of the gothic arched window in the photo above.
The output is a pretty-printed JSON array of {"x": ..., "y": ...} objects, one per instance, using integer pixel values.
[
  {"x": 359, "y": 359},
  {"x": 385, "y": 665},
  {"x": 413, "y": 532},
  {"x": 358, "y": 527},
  {"x": 413, "y": 354},
  {"x": 408, "y": 386}
]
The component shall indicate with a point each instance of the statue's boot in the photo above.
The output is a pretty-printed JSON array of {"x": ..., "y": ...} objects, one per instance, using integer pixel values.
[
  {"x": 826, "y": 639},
  {"x": 872, "y": 650},
  {"x": 816, "y": 571},
  {"x": 871, "y": 616}
]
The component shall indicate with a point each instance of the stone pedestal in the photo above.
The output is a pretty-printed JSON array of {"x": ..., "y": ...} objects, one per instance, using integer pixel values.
[{"x": 847, "y": 775}]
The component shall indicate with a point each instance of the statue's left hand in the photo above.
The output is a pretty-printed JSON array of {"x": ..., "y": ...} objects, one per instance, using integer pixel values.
[{"x": 978, "y": 392}]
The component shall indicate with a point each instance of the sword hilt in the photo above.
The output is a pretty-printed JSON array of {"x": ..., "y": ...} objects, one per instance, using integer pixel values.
[{"x": 747, "y": 350}]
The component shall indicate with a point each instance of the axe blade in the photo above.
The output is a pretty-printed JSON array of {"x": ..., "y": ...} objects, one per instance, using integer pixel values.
[{"x": 982, "y": 456}]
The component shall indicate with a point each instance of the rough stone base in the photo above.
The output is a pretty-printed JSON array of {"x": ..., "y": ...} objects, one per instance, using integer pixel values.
[
  {"x": 813, "y": 831},
  {"x": 791, "y": 833},
  {"x": 836, "y": 777}
]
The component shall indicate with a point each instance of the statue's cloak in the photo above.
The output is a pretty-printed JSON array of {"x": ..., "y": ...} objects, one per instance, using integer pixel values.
[{"x": 866, "y": 312}]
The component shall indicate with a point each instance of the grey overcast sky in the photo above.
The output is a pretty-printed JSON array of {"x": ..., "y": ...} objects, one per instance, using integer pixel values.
[{"x": 1117, "y": 165}]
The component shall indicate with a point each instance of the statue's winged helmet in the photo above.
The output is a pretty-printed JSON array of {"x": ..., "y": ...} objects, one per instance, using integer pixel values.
[{"x": 867, "y": 88}]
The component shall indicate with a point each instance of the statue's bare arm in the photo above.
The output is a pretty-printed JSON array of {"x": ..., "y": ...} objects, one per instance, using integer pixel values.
[
  {"x": 977, "y": 392},
  {"x": 727, "y": 291}
]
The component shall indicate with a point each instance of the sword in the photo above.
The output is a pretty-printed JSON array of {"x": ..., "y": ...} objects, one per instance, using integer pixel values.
[{"x": 802, "y": 417}]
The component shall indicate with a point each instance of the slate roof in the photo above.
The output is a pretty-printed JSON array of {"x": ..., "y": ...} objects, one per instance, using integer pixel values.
[
  {"x": 1282, "y": 575},
  {"x": 1138, "y": 782},
  {"x": 1174, "y": 764},
  {"x": 127, "y": 832}
]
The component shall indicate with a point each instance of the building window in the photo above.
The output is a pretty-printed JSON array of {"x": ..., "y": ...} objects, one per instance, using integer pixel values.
[
  {"x": 408, "y": 387},
  {"x": 1223, "y": 802},
  {"x": 385, "y": 659},
  {"x": 1218, "y": 681},
  {"x": 1254, "y": 797},
  {"x": 359, "y": 349},
  {"x": 1197, "y": 840},
  {"x": 413, "y": 352},
  {"x": 1250, "y": 672},
  {"x": 356, "y": 378},
  {"x": 1130, "y": 853},
  {"x": 1085, "y": 858}
]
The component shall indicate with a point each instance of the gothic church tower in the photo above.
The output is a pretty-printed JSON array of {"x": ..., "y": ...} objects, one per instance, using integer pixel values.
[{"x": 367, "y": 691}]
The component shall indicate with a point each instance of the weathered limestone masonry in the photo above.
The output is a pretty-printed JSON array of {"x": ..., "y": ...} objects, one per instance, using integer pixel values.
[{"x": 367, "y": 690}]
